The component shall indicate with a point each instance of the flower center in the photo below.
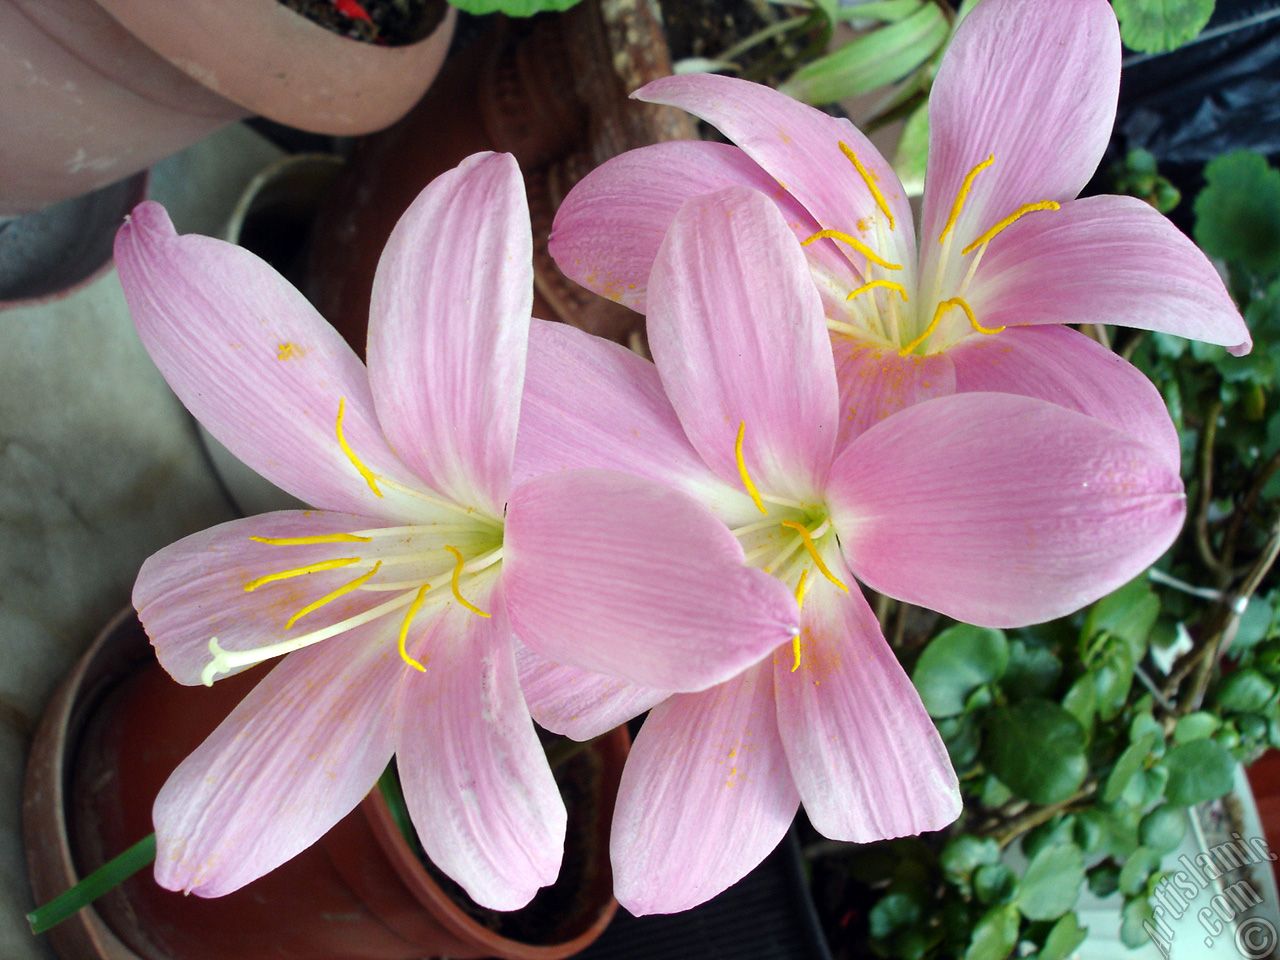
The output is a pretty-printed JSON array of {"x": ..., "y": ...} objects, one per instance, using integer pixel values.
[
  {"x": 790, "y": 543},
  {"x": 882, "y": 309}
]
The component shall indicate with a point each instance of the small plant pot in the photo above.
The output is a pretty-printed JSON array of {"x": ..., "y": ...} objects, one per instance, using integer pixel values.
[
  {"x": 97, "y": 90},
  {"x": 115, "y": 729}
]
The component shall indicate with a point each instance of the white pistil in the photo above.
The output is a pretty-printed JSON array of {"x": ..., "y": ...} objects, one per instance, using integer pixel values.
[{"x": 225, "y": 661}]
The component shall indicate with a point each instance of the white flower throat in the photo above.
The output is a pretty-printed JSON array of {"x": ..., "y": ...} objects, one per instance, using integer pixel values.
[{"x": 892, "y": 308}]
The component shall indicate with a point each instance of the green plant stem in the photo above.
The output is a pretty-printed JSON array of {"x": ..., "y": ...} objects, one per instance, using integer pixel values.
[
  {"x": 1246, "y": 507},
  {"x": 1033, "y": 818},
  {"x": 1222, "y": 637},
  {"x": 760, "y": 36},
  {"x": 1205, "y": 548},
  {"x": 105, "y": 878}
]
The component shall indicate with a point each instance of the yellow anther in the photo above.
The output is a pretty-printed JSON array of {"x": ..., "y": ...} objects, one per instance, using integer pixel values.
[
  {"x": 801, "y": 589},
  {"x": 299, "y": 571},
  {"x": 1022, "y": 211},
  {"x": 887, "y": 284},
  {"x": 938, "y": 314},
  {"x": 457, "y": 572},
  {"x": 854, "y": 242},
  {"x": 370, "y": 477},
  {"x": 308, "y": 541},
  {"x": 964, "y": 192},
  {"x": 412, "y": 612},
  {"x": 343, "y": 590},
  {"x": 742, "y": 469},
  {"x": 813, "y": 552},
  {"x": 869, "y": 179}
]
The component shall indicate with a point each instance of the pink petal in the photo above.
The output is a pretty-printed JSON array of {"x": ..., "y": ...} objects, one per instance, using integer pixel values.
[
  {"x": 875, "y": 382},
  {"x": 1106, "y": 260},
  {"x": 288, "y": 763},
  {"x": 256, "y": 364},
  {"x": 577, "y": 703},
  {"x": 625, "y": 577},
  {"x": 1065, "y": 367},
  {"x": 799, "y": 147},
  {"x": 475, "y": 779},
  {"x": 1001, "y": 510},
  {"x": 608, "y": 229},
  {"x": 449, "y": 323},
  {"x": 705, "y": 796},
  {"x": 867, "y": 760},
  {"x": 738, "y": 335},
  {"x": 194, "y": 590},
  {"x": 591, "y": 404},
  {"x": 1033, "y": 83}
]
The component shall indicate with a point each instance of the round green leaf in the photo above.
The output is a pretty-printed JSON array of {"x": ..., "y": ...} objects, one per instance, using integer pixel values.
[
  {"x": 995, "y": 935},
  {"x": 1139, "y": 866},
  {"x": 892, "y": 912},
  {"x": 1133, "y": 915},
  {"x": 1198, "y": 771},
  {"x": 1245, "y": 691},
  {"x": 994, "y": 883},
  {"x": 1037, "y": 749},
  {"x": 1155, "y": 26},
  {"x": 964, "y": 854},
  {"x": 955, "y": 663},
  {"x": 1129, "y": 763},
  {"x": 1051, "y": 883},
  {"x": 1238, "y": 211},
  {"x": 1196, "y": 726},
  {"x": 1066, "y": 935},
  {"x": 1104, "y": 879},
  {"x": 1163, "y": 828}
]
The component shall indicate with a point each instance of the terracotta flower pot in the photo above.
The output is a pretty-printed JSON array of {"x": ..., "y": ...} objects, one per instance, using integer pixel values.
[
  {"x": 109, "y": 738},
  {"x": 552, "y": 91},
  {"x": 96, "y": 90}
]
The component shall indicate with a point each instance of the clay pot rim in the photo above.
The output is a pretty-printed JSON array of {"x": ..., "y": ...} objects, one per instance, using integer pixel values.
[
  {"x": 330, "y": 84},
  {"x": 51, "y": 863}
]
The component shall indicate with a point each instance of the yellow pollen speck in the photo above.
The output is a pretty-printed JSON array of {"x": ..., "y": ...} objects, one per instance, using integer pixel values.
[
  {"x": 457, "y": 573},
  {"x": 869, "y": 178},
  {"x": 289, "y": 351},
  {"x": 962, "y": 194},
  {"x": 742, "y": 469},
  {"x": 1008, "y": 221}
]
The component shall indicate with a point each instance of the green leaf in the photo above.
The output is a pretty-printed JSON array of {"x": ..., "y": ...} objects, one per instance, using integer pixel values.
[
  {"x": 1198, "y": 771},
  {"x": 1081, "y": 701},
  {"x": 1163, "y": 828},
  {"x": 994, "y": 883},
  {"x": 888, "y": 11},
  {"x": 1112, "y": 679},
  {"x": 1051, "y": 882},
  {"x": 1140, "y": 865},
  {"x": 1032, "y": 671},
  {"x": 964, "y": 854},
  {"x": 1129, "y": 763},
  {"x": 871, "y": 60},
  {"x": 1104, "y": 879},
  {"x": 1245, "y": 691},
  {"x": 995, "y": 935},
  {"x": 1066, "y": 935},
  {"x": 1196, "y": 726},
  {"x": 955, "y": 663},
  {"x": 1037, "y": 749},
  {"x": 913, "y": 151},
  {"x": 1128, "y": 613},
  {"x": 1238, "y": 211},
  {"x": 1133, "y": 915},
  {"x": 1154, "y": 26},
  {"x": 892, "y": 912}
]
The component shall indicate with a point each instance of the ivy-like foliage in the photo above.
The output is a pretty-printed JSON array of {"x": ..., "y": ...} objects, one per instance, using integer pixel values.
[{"x": 1156, "y": 26}]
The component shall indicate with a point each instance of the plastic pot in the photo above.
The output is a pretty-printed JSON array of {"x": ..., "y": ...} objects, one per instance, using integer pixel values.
[{"x": 115, "y": 729}]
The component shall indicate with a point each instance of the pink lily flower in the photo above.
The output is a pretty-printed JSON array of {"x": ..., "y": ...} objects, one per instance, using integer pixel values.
[
  {"x": 396, "y": 602},
  {"x": 1020, "y": 114},
  {"x": 993, "y": 508}
]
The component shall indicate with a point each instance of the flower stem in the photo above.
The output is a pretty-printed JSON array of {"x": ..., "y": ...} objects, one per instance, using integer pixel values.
[{"x": 105, "y": 878}]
